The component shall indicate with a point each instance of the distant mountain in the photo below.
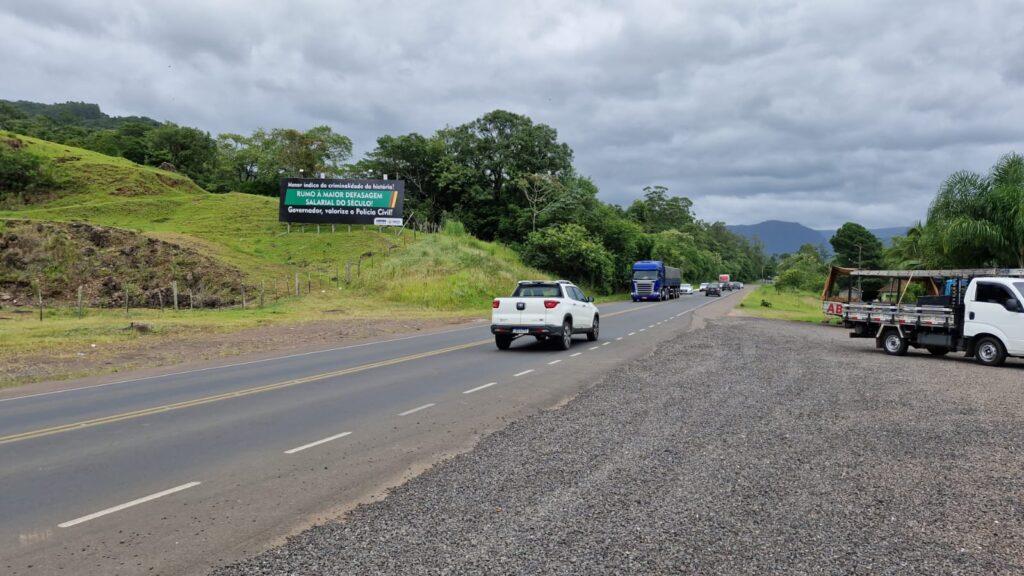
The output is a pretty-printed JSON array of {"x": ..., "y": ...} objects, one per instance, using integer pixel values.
[
  {"x": 786, "y": 237},
  {"x": 781, "y": 237}
]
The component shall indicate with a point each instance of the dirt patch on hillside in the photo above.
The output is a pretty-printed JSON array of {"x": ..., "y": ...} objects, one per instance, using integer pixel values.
[
  {"x": 197, "y": 348},
  {"x": 58, "y": 258}
]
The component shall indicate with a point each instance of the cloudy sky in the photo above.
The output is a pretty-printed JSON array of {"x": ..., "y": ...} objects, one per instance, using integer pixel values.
[{"x": 816, "y": 112}]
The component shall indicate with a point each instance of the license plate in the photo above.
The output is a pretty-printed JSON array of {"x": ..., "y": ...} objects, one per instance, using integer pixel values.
[{"x": 520, "y": 330}]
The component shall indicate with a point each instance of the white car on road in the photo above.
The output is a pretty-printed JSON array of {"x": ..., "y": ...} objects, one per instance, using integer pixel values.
[
  {"x": 686, "y": 289},
  {"x": 547, "y": 310}
]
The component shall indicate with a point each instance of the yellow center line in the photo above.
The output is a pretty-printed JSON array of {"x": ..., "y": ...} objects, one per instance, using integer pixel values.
[{"x": 228, "y": 395}]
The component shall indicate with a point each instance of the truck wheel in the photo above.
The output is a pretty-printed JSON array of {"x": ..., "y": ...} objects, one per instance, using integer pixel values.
[
  {"x": 593, "y": 332},
  {"x": 894, "y": 344},
  {"x": 503, "y": 341},
  {"x": 565, "y": 342},
  {"x": 935, "y": 351},
  {"x": 990, "y": 352}
]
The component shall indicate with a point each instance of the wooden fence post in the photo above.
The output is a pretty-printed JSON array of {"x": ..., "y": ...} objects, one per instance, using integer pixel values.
[
  {"x": 174, "y": 289},
  {"x": 263, "y": 289},
  {"x": 126, "y": 300},
  {"x": 190, "y": 300},
  {"x": 348, "y": 272},
  {"x": 80, "y": 314},
  {"x": 296, "y": 283},
  {"x": 39, "y": 294},
  {"x": 160, "y": 295},
  {"x": 243, "y": 296}
]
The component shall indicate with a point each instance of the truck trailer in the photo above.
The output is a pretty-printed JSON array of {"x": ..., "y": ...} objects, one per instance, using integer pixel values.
[{"x": 653, "y": 280}]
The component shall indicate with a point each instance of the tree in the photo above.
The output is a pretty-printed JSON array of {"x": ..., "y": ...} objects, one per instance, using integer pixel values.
[
  {"x": 908, "y": 252},
  {"x": 804, "y": 270},
  {"x": 485, "y": 158},
  {"x": 979, "y": 220},
  {"x": 572, "y": 253},
  {"x": 540, "y": 191},
  {"x": 416, "y": 160},
  {"x": 190, "y": 150},
  {"x": 658, "y": 211},
  {"x": 855, "y": 246}
]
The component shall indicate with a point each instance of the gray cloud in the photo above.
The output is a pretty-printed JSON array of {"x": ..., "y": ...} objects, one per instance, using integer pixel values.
[{"x": 815, "y": 112}]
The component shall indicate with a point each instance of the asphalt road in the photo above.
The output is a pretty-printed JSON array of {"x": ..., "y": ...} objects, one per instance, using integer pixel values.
[
  {"x": 177, "y": 473},
  {"x": 754, "y": 447}
]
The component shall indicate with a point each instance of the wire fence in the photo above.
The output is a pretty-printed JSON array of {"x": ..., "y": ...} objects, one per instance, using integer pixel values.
[{"x": 186, "y": 293}]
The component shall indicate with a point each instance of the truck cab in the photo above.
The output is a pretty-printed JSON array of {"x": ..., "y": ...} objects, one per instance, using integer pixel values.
[
  {"x": 653, "y": 280},
  {"x": 994, "y": 318}
]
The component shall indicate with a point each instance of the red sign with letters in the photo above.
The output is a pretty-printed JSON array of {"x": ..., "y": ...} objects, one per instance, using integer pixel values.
[{"x": 832, "y": 308}]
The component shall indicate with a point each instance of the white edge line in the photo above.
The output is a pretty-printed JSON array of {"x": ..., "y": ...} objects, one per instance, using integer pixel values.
[
  {"x": 479, "y": 388},
  {"x": 317, "y": 443},
  {"x": 120, "y": 507},
  {"x": 575, "y": 355},
  {"x": 523, "y": 373},
  {"x": 236, "y": 365},
  {"x": 553, "y": 362},
  {"x": 417, "y": 409}
]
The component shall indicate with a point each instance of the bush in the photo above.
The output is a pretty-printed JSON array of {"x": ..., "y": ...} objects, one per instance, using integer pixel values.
[
  {"x": 22, "y": 171},
  {"x": 570, "y": 252}
]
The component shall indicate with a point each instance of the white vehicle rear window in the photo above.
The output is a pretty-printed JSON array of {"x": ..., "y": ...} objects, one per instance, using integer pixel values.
[{"x": 537, "y": 291}]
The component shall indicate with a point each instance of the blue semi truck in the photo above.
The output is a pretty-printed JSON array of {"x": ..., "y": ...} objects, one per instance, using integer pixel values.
[{"x": 652, "y": 280}]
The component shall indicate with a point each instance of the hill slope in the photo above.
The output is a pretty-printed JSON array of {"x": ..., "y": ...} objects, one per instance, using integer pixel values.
[{"x": 241, "y": 232}]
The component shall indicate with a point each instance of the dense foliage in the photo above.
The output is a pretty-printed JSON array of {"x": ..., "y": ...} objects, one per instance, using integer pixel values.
[{"x": 502, "y": 176}]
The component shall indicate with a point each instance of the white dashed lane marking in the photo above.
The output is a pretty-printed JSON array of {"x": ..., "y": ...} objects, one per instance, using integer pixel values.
[
  {"x": 479, "y": 388},
  {"x": 120, "y": 507},
  {"x": 417, "y": 409},
  {"x": 317, "y": 443}
]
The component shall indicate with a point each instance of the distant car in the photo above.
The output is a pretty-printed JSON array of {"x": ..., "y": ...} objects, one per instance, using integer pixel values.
[
  {"x": 686, "y": 289},
  {"x": 703, "y": 286},
  {"x": 725, "y": 286},
  {"x": 739, "y": 285},
  {"x": 713, "y": 290}
]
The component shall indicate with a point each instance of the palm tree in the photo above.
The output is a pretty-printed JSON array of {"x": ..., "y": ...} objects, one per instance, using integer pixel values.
[{"x": 979, "y": 220}]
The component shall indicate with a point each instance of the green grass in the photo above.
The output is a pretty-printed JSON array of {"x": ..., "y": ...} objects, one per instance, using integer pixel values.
[{"x": 795, "y": 306}]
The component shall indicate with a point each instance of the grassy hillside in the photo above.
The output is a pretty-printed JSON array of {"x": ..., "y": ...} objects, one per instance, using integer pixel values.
[{"x": 240, "y": 230}]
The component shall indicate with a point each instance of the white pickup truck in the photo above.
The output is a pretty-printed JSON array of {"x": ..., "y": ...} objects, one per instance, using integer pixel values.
[{"x": 546, "y": 310}]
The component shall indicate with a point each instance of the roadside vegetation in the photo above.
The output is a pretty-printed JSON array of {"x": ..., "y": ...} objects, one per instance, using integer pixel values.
[{"x": 767, "y": 301}]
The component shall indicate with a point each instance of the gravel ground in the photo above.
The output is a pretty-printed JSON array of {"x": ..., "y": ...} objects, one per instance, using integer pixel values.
[{"x": 748, "y": 447}]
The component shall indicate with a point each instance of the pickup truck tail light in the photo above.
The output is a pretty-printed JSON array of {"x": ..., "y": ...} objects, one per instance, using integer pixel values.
[
  {"x": 495, "y": 304},
  {"x": 549, "y": 304}
]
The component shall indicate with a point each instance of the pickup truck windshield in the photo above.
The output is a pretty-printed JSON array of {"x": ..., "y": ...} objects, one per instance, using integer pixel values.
[
  {"x": 645, "y": 275},
  {"x": 537, "y": 291}
]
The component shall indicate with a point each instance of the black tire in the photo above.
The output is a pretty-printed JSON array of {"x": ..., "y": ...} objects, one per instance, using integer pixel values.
[
  {"x": 990, "y": 352},
  {"x": 894, "y": 344},
  {"x": 503, "y": 341},
  {"x": 565, "y": 342},
  {"x": 593, "y": 332},
  {"x": 935, "y": 351}
]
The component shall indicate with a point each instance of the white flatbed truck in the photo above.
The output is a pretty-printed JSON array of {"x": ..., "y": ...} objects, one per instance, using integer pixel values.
[{"x": 983, "y": 319}]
